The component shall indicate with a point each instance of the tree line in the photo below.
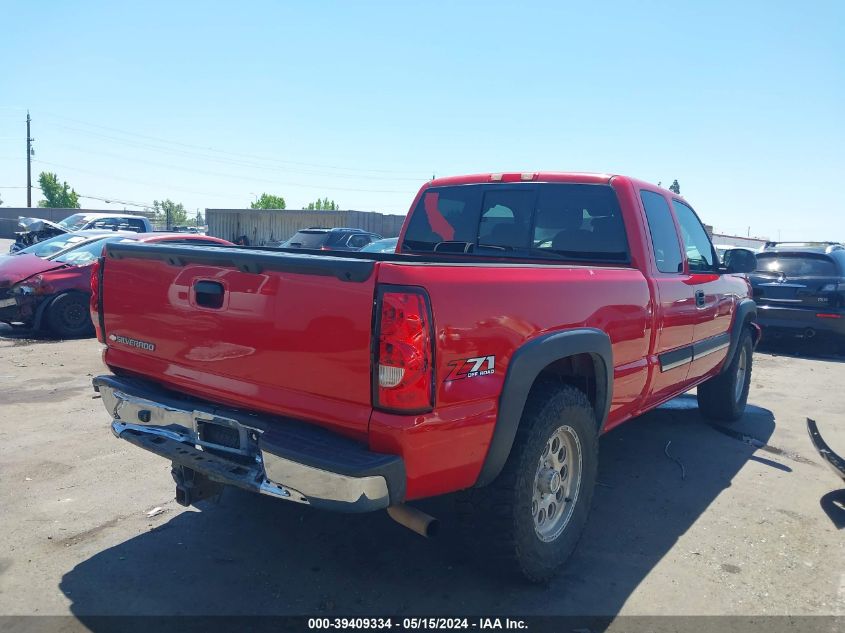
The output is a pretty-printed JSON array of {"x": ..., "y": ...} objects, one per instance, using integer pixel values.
[{"x": 60, "y": 195}]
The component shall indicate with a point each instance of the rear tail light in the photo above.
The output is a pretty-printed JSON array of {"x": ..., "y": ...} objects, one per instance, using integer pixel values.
[
  {"x": 403, "y": 372},
  {"x": 96, "y": 311}
]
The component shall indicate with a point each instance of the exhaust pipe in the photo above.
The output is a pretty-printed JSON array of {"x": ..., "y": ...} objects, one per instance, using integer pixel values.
[{"x": 415, "y": 520}]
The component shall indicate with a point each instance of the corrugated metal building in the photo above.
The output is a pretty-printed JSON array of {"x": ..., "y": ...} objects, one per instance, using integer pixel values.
[{"x": 262, "y": 226}]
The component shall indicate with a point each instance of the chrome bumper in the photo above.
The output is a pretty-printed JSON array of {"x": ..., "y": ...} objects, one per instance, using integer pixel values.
[{"x": 250, "y": 452}]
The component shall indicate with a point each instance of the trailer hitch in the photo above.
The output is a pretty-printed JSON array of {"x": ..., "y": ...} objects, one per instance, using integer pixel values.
[
  {"x": 192, "y": 486},
  {"x": 833, "y": 460}
]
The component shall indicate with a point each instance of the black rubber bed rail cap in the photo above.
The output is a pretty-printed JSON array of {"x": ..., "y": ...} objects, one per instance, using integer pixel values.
[
  {"x": 825, "y": 452},
  {"x": 245, "y": 259}
]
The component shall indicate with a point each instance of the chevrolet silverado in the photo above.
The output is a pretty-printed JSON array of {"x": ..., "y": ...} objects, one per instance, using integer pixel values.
[{"x": 521, "y": 316}]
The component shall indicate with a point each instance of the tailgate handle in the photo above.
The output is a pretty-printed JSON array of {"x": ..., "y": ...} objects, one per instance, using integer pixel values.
[{"x": 209, "y": 294}]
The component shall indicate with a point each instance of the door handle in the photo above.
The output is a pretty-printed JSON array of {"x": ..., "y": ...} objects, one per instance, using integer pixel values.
[{"x": 699, "y": 298}]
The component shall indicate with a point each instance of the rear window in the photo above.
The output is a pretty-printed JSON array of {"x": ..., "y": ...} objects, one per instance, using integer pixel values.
[
  {"x": 549, "y": 220},
  {"x": 796, "y": 265},
  {"x": 308, "y": 239}
]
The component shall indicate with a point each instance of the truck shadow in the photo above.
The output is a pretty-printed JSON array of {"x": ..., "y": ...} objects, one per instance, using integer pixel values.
[
  {"x": 816, "y": 348},
  {"x": 253, "y": 555}
]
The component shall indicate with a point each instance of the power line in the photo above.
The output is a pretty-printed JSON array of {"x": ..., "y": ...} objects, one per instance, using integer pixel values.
[
  {"x": 218, "y": 151},
  {"x": 131, "y": 180},
  {"x": 222, "y": 161},
  {"x": 108, "y": 200},
  {"x": 264, "y": 180}
]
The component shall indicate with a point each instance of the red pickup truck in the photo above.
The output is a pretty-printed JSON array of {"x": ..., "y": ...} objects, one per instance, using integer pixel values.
[{"x": 522, "y": 315}]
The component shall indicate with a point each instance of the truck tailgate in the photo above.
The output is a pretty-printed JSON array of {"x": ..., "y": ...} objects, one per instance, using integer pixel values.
[{"x": 281, "y": 333}]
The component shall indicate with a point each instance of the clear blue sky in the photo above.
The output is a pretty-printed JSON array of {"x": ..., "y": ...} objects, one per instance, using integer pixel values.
[{"x": 207, "y": 103}]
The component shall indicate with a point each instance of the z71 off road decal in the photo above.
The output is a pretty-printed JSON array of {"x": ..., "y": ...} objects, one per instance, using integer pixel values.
[{"x": 472, "y": 367}]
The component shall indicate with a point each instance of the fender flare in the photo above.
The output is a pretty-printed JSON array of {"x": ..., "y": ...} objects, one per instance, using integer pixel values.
[
  {"x": 41, "y": 310},
  {"x": 746, "y": 312},
  {"x": 524, "y": 367}
]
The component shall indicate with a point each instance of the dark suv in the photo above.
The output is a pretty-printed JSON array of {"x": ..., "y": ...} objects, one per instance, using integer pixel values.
[
  {"x": 338, "y": 239},
  {"x": 799, "y": 288}
]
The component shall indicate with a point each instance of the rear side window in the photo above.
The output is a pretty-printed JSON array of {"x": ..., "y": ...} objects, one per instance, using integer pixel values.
[
  {"x": 664, "y": 238},
  {"x": 137, "y": 225},
  {"x": 105, "y": 223},
  {"x": 309, "y": 239},
  {"x": 796, "y": 265},
  {"x": 537, "y": 220},
  {"x": 358, "y": 241}
]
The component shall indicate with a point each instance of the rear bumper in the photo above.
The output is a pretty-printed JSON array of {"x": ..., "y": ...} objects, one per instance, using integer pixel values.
[
  {"x": 800, "y": 321},
  {"x": 286, "y": 459}
]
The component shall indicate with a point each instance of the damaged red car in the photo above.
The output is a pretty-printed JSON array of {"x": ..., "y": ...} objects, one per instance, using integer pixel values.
[{"x": 52, "y": 293}]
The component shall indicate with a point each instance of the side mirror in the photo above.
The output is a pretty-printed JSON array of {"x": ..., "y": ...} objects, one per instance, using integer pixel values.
[{"x": 740, "y": 260}]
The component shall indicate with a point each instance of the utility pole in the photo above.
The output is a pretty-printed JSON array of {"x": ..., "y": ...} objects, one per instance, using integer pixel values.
[{"x": 29, "y": 140}]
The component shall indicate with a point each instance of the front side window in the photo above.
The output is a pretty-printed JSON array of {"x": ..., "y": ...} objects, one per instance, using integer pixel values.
[
  {"x": 664, "y": 237},
  {"x": 537, "y": 220},
  {"x": 697, "y": 244}
]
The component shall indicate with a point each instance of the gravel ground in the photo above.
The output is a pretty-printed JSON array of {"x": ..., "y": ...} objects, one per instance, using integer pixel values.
[{"x": 90, "y": 526}]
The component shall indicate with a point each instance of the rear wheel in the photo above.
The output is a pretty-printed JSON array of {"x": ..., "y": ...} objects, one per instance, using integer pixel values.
[
  {"x": 68, "y": 316},
  {"x": 724, "y": 397},
  {"x": 530, "y": 519}
]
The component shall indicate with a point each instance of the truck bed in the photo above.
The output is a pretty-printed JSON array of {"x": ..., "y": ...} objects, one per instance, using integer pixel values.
[{"x": 293, "y": 333}]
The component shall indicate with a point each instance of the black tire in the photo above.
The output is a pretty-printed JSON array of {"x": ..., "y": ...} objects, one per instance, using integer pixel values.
[
  {"x": 499, "y": 520},
  {"x": 69, "y": 317},
  {"x": 724, "y": 397}
]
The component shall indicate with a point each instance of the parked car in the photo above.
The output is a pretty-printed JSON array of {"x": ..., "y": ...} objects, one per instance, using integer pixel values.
[
  {"x": 52, "y": 293},
  {"x": 800, "y": 290},
  {"x": 382, "y": 246},
  {"x": 53, "y": 245},
  {"x": 37, "y": 230},
  {"x": 337, "y": 239},
  {"x": 523, "y": 316}
]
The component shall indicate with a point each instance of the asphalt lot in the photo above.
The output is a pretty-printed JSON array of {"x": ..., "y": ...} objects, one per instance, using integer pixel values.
[
  {"x": 743, "y": 533},
  {"x": 752, "y": 528}
]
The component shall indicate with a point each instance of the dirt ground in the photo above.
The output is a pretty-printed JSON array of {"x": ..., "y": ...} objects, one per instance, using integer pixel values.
[{"x": 751, "y": 524}]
